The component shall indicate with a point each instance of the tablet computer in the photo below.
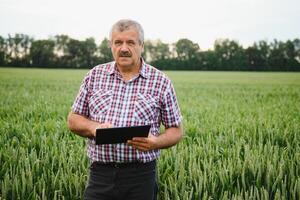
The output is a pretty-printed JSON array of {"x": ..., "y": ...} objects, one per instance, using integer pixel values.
[{"x": 120, "y": 134}]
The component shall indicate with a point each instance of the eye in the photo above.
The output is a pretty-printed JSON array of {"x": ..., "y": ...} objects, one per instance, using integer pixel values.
[
  {"x": 131, "y": 42},
  {"x": 118, "y": 42}
]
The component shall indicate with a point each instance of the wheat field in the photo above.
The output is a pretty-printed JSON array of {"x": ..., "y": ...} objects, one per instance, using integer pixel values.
[{"x": 242, "y": 136}]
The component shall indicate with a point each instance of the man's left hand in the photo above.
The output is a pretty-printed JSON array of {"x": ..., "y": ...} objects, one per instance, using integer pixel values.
[{"x": 144, "y": 143}]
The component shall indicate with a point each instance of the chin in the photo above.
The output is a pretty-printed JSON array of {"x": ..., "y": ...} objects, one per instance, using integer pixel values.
[{"x": 125, "y": 64}]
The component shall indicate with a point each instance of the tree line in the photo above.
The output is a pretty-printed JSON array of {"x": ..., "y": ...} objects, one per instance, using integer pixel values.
[{"x": 62, "y": 51}]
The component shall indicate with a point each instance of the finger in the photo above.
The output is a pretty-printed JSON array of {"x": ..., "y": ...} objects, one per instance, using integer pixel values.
[
  {"x": 139, "y": 144},
  {"x": 105, "y": 125},
  {"x": 140, "y": 139}
]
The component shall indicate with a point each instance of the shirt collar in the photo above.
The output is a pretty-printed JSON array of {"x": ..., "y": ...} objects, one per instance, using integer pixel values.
[
  {"x": 111, "y": 68},
  {"x": 144, "y": 71}
]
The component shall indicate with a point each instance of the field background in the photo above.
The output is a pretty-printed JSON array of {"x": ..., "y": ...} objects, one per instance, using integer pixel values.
[{"x": 242, "y": 136}]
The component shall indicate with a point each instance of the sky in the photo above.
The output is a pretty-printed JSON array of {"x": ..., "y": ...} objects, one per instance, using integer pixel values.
[{"x": 246, "y": 21}]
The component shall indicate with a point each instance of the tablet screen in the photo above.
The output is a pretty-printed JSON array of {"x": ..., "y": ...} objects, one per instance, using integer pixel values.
[{"x": 120, "y": 134}]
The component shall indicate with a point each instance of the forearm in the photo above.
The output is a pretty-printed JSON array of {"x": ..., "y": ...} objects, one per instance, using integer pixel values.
[
  {"x": 81, "y": 125},
  {"x": 170, "y": 137}
]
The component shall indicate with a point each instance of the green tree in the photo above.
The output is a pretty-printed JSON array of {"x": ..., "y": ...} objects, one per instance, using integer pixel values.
[
  {"x": 105, "y": 51},
  {"x": 258, "y": 56},
  {"x": 186, "y": 49},
  {"x": 42, "y": 53},
  {"x": 61, "y": 50},
  {"x": 2, "y": 51},
  {"x": 75, "y": 52},
  {"x": 209, "y": 60},
  {"x": 296, "y": 43},
  {"x": 278, "y": 59},
  {"x": 89, "y": 52},
  {"x": 230, "y": 55},
  {"x": 284, "y": 56},
  {"x": 291, "y": 52},
  {"x": 18, "y": 49},
  {"x": 155, "y": 51},
  {"x": 187, "y": 55},
  {"x": 81, "y": 53}
]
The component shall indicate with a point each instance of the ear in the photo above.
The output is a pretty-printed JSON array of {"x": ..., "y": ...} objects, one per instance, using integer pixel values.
[
  {"x": 109, "y": 43},
  {"x": 143, "y": 47}
]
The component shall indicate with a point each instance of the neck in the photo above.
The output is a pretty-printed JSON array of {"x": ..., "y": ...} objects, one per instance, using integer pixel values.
[{"x": 128, "y": 72}]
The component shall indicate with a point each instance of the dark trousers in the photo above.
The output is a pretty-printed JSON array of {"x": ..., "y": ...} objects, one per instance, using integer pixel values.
[{"x": 132, "y": 181}]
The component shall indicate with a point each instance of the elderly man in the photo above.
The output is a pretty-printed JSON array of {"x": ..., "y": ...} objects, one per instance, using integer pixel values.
[{"x": 122, "y": 93}]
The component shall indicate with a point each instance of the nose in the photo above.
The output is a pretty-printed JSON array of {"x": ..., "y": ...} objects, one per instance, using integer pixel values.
[{"x": 124, "y": 47}]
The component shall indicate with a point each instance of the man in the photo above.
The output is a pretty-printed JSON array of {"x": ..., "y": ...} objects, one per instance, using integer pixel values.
[{"x": 126, "y": 92}]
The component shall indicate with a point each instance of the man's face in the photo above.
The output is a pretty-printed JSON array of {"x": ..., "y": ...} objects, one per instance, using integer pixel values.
[{"x": 126, "y": 48}]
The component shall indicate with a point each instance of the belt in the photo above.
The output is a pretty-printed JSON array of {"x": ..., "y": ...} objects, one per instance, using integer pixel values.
[{"x": 123, "y": 165}]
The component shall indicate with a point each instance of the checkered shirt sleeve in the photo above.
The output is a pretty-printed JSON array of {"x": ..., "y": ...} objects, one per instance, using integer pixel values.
[
  {"x": 170, "y": 113},
  {"x": 80, "y": 105}
]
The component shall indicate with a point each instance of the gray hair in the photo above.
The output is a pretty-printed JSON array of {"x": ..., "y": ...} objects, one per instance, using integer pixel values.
[{"x": 126, "y": 24}]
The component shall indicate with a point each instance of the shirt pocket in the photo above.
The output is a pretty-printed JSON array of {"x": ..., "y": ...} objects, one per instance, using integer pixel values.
[
  {"x": 145, "y": 109},
  {"x": 100, "y": 103}
]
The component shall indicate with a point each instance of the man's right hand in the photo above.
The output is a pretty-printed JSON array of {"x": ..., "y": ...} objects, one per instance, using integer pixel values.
[
  {"x": 83, "y": 126},
  {"x": 98, "y": 125}
]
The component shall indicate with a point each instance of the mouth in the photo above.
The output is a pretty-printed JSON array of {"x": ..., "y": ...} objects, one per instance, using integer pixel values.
[{"x": 124, "y": 55}]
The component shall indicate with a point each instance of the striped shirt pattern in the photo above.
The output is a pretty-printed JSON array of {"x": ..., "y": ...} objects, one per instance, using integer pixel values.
[{"x": 148, "y": 98}]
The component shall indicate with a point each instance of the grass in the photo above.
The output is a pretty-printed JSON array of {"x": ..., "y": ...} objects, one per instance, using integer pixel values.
[{"x": 242, "y": 136}]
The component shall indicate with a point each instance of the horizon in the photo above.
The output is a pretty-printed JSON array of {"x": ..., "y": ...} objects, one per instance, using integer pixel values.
[{"x": 202, "y": 22}]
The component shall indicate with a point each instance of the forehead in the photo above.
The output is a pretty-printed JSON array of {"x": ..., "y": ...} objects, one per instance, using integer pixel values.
[{"x": 130, "y": 34}]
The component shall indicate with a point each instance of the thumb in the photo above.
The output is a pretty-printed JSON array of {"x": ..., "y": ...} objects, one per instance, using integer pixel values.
[{"x": 105, "y": 125}]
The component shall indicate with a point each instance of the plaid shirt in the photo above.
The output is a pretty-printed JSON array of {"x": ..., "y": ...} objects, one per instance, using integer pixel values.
[{"x": 148, "y": 98}]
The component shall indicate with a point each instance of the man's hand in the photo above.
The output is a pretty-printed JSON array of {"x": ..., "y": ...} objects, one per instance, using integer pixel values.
[
  {"x": 98, "y": 125},
  {"x": 144, "y": 143},
  {"x": 83, "y": 126},
  {"x": 170, "y": 137}
]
